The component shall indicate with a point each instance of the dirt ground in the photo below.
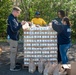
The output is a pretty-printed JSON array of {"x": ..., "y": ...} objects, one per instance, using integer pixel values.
[{"x": 4, "y": 59}]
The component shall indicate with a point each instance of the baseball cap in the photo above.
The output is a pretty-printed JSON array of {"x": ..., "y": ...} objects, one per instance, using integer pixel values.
[{"x": 37, "y": 13}]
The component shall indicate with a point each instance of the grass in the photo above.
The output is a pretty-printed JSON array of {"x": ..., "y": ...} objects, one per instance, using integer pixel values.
[
  {"x": 74, "y": 41},
  {"x": 3, "y": 40}
]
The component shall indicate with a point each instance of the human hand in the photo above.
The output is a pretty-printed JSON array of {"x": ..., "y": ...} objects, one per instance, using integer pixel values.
[
  {"x": 55, "y": 21},
  {"x": 50, "y": 25},
  {"x": 37, "y": 25},
  {"x": 23, "y": 22}
]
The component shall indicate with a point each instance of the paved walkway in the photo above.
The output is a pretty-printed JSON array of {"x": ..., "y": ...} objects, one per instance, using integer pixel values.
[{"x": 4, "y": 60}]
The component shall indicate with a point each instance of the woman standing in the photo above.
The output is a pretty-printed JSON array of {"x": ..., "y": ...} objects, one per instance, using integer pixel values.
[
  {"x": 64, "y": 37},
  {"x": 60, "y": 14}
]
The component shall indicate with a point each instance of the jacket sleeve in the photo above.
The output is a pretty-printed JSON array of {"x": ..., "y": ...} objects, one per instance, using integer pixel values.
[
  {"x": 14, "y": 25},
  {"x": 57, "y": 27},
  {"x": 44, "y": 23}
]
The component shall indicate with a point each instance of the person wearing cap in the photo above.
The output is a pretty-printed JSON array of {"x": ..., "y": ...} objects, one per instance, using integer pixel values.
[
  {"x": 37, "y": 20},
  {"x": 13, "y": 27}
]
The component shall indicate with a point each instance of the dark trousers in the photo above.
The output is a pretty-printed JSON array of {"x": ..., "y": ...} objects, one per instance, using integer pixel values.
[{"x": 58, "y": 54}]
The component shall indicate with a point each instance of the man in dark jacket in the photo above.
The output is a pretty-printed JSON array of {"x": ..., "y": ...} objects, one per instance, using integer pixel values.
[{"x": 13, "y": 28}]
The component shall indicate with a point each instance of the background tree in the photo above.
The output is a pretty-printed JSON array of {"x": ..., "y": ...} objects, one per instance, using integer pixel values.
[
  {"x": 48, "y": 10},
  {"x": 5, "y": 8}
]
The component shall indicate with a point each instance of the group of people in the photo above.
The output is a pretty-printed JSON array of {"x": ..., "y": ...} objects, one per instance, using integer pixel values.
[{"x": 60, "y": 24}]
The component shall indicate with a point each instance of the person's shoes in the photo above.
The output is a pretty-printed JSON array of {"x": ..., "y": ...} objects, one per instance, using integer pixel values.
[
  {"x": 15, "y": 69},
  {"x": 18, "y": 65}
]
